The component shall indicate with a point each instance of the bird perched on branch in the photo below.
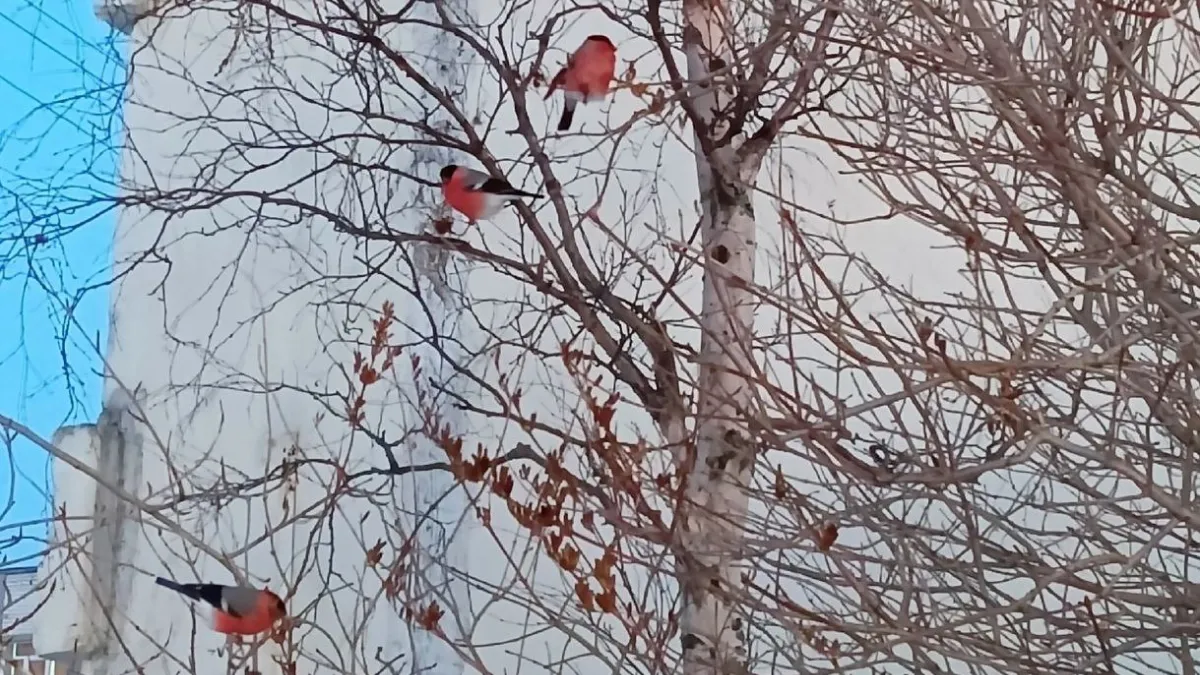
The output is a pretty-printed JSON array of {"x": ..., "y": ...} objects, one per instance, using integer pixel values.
[
  {"x": 587, "y": 76},
  {"x": 477, "y": 195},
  {"x": 237, "y": 610}
]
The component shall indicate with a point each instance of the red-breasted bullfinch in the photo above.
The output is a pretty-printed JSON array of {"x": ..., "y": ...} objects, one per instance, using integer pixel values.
[
  {"x": 237, "y": 610},
  {"x": 586, "y": 77},
  {"x": 477, "y": 195}
]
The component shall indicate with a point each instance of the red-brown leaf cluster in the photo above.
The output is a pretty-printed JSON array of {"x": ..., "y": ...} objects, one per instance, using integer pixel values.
[
  {"x": 393, "y": 584},
  {"x": 375, "y": 554},
  {"x": 827, "y": 537},
  {"x": 502, "y": 484},
  {"x": 429, "y": 617},
  {"x": 366, "y": 369},
  {"x": 781, "y": 484}
]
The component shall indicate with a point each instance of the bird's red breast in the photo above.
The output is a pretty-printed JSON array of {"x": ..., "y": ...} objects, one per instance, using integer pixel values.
[
  {"x": 590, "y": 69},
  {"x": 470, "y": 203},
  {"x": 267, "y": 611}
]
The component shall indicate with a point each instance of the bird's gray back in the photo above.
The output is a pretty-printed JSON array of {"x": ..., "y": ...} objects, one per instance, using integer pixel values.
[
  {"x": 241, "y": 600},
  {"x": 474, "y": 179}
]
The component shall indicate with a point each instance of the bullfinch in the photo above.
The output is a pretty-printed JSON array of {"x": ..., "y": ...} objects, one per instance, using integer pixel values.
[
  {"x": 237, "y": 610},
  {"x": 477, "y": 195},
  {"x": 586, "y": 77}
]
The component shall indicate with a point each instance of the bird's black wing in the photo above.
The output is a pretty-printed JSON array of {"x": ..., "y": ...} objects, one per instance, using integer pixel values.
[{"x": 497, "y": 186}]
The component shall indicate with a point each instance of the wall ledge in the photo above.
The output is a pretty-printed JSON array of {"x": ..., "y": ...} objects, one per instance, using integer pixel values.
[{"x": 122, "y": 15}]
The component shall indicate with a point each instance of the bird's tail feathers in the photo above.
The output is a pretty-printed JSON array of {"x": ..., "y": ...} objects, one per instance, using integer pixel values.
[
  {"x": 208, "y": 593},
  {"x": 177, "y": 587},
  {"x": 568, "y": 115},
  {"x": 511, "y": 193}
]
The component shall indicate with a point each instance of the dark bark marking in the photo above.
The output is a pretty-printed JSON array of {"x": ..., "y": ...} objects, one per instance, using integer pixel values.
[
  {"x": 720, "y": 461},
  {"x": 744, "y": 463}
]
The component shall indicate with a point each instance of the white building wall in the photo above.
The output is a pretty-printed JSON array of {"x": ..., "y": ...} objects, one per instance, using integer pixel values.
[
  {"x": 226, "y": 317},
  {"x": 226, "y": 324},
  {"x": 231, "y": 302}
]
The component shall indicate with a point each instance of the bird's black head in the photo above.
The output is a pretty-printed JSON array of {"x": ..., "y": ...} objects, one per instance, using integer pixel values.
[
  {"x": 278, "y": 609},
  {"x": 602, "y": 39},
  {"x": 448, "y": 171}
]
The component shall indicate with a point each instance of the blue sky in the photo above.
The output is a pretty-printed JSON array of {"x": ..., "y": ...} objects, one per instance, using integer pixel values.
[{"x": 60, "y": 76}]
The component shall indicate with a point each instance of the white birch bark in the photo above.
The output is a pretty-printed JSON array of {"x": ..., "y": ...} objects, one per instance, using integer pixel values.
[{"x": 713, "y": 636}]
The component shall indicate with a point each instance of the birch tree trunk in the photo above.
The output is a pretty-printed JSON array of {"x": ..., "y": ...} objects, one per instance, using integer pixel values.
[
  {"x": 713, "y": 637},
  {"x": 718, "y": 470}
]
